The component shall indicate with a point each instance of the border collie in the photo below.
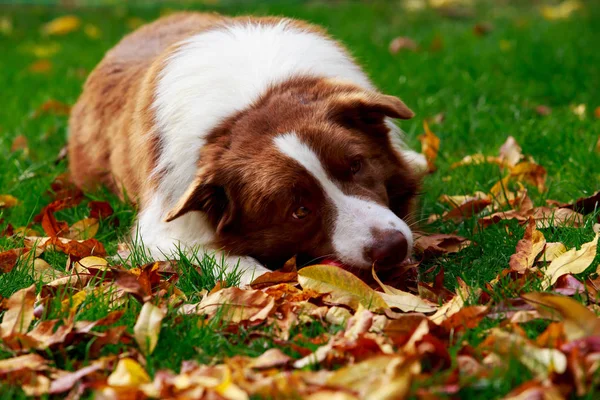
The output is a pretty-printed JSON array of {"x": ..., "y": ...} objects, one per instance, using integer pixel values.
[{"x": 255, "y": 138}]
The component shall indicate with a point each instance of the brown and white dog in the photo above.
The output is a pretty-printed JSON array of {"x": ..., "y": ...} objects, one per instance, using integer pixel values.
[{"x": 258, "y": 138}]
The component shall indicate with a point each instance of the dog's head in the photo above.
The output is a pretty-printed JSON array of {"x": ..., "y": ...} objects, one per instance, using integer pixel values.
[{"x": 308, "y": 170}]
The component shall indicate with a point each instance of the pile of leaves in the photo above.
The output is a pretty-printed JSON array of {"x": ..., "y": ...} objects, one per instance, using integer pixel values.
[{"x": 396, "y": 334}]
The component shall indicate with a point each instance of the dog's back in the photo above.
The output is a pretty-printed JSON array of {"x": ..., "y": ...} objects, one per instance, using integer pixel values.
[{"x": 101, "y": 135}]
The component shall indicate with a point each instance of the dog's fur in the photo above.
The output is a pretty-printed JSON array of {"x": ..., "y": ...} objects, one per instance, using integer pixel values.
[{"x": 257, "y": 137}]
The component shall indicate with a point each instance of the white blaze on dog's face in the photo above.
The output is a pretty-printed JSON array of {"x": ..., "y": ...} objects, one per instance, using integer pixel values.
[
  {"x": 308, "y": 170},
  {"x": 363, "y": 231}
]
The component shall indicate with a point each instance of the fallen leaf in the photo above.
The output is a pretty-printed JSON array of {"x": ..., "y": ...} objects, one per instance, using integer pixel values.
[
  {"x": 510, "y": 152},
  {"x": 440, "y": 243},
  {"x": 53, "y": 107},
  {"x": 430, "y": 145},
  {"x": 42, "y": 66},
  {"x": 128, "y": 373},
  {"x": 528, "y": 248},
  {"x": 552, "y": 251},
  {"x": 6, "y": 25},
  {"x": 19, "y": 143},
  {"x": 19, "y": 312},
  {"x": 405, "y": 301},
  {"x": 467, "y": 318},
  {"x": 43, "y": 50},
  {"x": 134, "y": 22},
  {"x": 482, "y": 28},
  {"x": 100, "y": 209},
  {"x": 6, "y": 200},
  {"x": 561, "y": 10},
  {"x": 72, "y": 303},
  {"x": 67, "y": 381},
  {"x": 147, "y": 327},
  {"x": 579, "y": 110},
  {"x": 476, "y": 159},
  {"x": 341, "y": 286},
  {"x": 585, "y": 205},
  {"x": 402, "y": 43},
  {"x": 543, "y": 110},
  {"x": 43, "y": 272},
  {"x": 271, "y": 358},
  {"x": 33, "y": 362},
  {"x": 454, "y": 305},
  {"x": 92, "y": 31},
  {"x": 579, "y": 322},
  {"x": 572, "y": 262},
  {"x": 83, "y": 229},
  {"x": 274, "y": 278},
  {"x": 9, "y": 258},
  {"x": 62, "y": 25},
  {"x": 467, "y": 209},
  {"x": 237, "y": 305},
  {"x": 530, "y": 172}
]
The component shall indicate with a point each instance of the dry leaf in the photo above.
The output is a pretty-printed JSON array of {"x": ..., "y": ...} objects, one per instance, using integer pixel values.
[
  {"x": 579, "y": 322},
  {"x": 42, "y": 66},
  {"x": 6, "y": 25},
  {"x": 271, "y": 358},
  {"x": 237, "y": 305},
  {"x": 43, "y": 50},
  {"x": 552, "y": 251},
  {"x": 62, "y": 25},
  {"x": 572, "y": 262},
  {"x": 482, "y": 29},
  {"x": 128, "y": 373},
  {"x": 147, "y": 327},
  {"x": 92, "y": 31},
  {"x": 32, "y": 362},
  {"x": 19, "y": 312},
  {"x": 84, "y": 229},
  {"x": 43, "y": 272},
  {"x": 6, "y": 200},
  {"x": 543, "y": 110},
  {"x": 579, "y": 110},
  {"x": 510, "y": 152},
  {"x": 440, "y": 243},
  {"x": 402, "y": 43},
  {"x": 528, "y": 248},
  {"x": 530, "y": 172},
  {"x": 53, "y": 107},
  {"x": 430, "y": 145},
  {"x": 341, "y": 286},
  {"x": 561, "y": 10},
  {"x": 405, "y": 301},
  {"x": 100, "y": 209}
]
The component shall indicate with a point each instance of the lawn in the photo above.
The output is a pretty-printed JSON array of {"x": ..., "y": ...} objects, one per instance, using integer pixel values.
[{"x": 480, "y": 72}]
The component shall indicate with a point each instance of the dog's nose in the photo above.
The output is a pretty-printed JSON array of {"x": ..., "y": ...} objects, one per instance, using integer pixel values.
[{"x": 391, "y": 247}]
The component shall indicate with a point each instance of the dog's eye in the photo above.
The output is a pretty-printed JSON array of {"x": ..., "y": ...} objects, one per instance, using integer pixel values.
[
  {"x": 355, "y": 166},
  {"x": 301, "y": 212}
]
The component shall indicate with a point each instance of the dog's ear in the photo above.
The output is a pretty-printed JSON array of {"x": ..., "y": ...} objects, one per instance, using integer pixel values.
[
  {"x": 206, "y": 197},
  {"x": 368, "y": 109}
]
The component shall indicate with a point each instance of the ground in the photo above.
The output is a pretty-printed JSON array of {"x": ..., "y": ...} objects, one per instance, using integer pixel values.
[{"x": 479, "y": 74}]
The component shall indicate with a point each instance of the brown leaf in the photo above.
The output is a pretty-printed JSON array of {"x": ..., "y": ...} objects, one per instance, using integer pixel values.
[
  {"x": 528, "y": 248},
  {"x": 147, "y": 327},
  {"x": 467, "y": 318},
  {"x": 467, "y": 209},
  {"x": 597, "y": 112},
  {"x": 6, "y": 200},
  {"x": 237, "y": 305},
  {"x": 46, "y": 334},
  {"x": 430, "y": 145},
  {"x": 67, "y": 381},
  {"x": 53, "y": 107},
  {"x": 572, "y": 262},
  {"x": 482, "y": 28},
  {"x": 585, "y": 205},
  {"x": 402, "y": 43},
  {"x": 19, "y": 143},
  {"x": 552, "y": 251},
  {"x": 402, "y": 300},
  {"x": 100, "y": 209},
  {"x": 19, "y": 312},
  {"x": 42, "y": 66},
  {"x": 9, "y": 258},
  {"x": 274, "y": 278},
  {"x": 579, "y": 322},
  {"x": 342, "y": 287},
  {"x": 543, "y": 110},
  {"x": 271, "y": 358},
  {"x": 440, "y": 243},
  {"x": 31, "y": 362},
  {"x": 530, "y": 172},
  {"x": 510, "y": 152}
]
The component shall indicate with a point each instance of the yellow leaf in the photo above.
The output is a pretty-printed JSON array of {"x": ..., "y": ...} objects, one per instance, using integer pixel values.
[
  {"x": 527, "y": 248},
  {"x": 72, "y": 303},
  {"x": 134, "y": 22},
  {"x": 531, "y": 172},
  {"x": 6, "y": 200},
  {"x": 342, "y": 287},
  {"x": 62, "y": 25},
  {"x": 430, "y": 145},
  {"x": 6, "y": 25},
  {"x": 84, "y": 229},
  {"x": 128, "y": 373},
  {"x": 560, "y": 11},
  {"x": 92, "y": 31},
  {"x": 453, "y": 306},
  {"x": 42, "y": 66},
  {"x": 19, "y": 312},
  {"x": 405, "y": 301},
  {"x": 579, "y": 321},
  {"x": 552, "y": 251},
  {"x": 572, "y": 262},
  {"x": 44, "y": 50},
  {"x": 147, "y": 327},
  {"x": 43, "y": 272}
]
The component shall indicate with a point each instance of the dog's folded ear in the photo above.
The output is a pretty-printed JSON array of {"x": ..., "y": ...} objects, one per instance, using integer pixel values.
[
  {"x": 368, "y": 108},
  {"x": 208, "y": 198}
]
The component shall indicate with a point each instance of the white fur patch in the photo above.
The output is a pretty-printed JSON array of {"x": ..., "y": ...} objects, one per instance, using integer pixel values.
[{"x": 356, "y": 218}]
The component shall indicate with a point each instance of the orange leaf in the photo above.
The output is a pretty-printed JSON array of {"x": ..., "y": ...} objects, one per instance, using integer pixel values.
[
  {"x": 430, "y": 145},
  {"x": 42, "y": 66},
  {"x": 54, "y": 107},
  {"x": 19, "y": 315},
  {"x": 527, "y": 248}
]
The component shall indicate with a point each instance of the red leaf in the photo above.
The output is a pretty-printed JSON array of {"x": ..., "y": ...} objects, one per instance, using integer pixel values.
[{"x": 100, "y": 209}]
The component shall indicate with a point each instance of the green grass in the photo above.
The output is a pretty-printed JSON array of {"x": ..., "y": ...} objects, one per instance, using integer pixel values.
[{"x": 486, "y": 86}]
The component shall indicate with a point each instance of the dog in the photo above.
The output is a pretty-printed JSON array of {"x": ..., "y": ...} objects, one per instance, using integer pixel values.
[{"x": 254, "y": 138}]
